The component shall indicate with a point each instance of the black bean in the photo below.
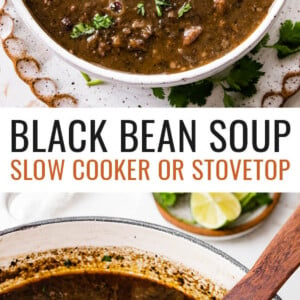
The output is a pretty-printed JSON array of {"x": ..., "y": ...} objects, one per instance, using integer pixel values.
[
  {"x": 67, "y": 23},
  {"x": 116, "y": 6}
]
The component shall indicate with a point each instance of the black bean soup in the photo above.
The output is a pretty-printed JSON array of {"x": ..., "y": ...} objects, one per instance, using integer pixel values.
[
  {"x": 149, "y": 36},
  {"x": 94, "y": 287}
]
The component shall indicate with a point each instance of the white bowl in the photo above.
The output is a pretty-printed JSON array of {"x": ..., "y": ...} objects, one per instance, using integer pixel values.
[{"x": 161, "y": 80}]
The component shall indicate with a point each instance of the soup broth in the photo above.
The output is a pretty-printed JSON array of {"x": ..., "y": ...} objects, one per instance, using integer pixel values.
[{"x": 149, "y": 37}]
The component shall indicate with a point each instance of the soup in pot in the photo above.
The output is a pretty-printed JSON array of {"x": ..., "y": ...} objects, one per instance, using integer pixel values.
[{"x": 110, "y": 273}]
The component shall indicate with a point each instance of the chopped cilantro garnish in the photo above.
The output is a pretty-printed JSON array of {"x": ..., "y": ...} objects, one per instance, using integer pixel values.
[
  {"x": 86, "y": 76},
  {"x": 98, "y": 22},
  {"x": 159, "y": 5},
  {"x": 94, "y": 82},
  {"x": 186, "y": 7},
  {"x": 89, "y": 81},
  {"x": 289, "y": 39},
  {"x": 106, "y": 258},
  {"x": 141, "y": 9},
  {"x": 102, "y": 21},
  {"x": 82, "y": 29},
  {"x": 68, "y": 263},
  {"x": 159, "y": 93}
]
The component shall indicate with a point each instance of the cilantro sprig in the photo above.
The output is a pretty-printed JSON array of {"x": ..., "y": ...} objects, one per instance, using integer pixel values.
[
  {"x": 98, "y": 22},
  {"x": 289, "y": 39},
  {"x": 241, "y": 79}
]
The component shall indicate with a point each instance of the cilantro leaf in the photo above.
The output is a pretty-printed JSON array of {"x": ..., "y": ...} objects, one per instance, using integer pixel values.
[
  {"x": 186, "y": 7},
  {"x": 102, "y": 21},
  {"x": 89, "y": 81},
  {"x": 141, "y": 9},
  {"x": 289, "y": 39},
  {"x": 82, "y": 29},
  {"x": 67, "y": 263},
  {"x": 243, "y": 77},
  {"x": 159, "y": 93},
  {"x": 86, "y": 76},
  {"x": 228, "y": 100},
  {"x": 98, "y": 22},
  {"x": 196, "y": 93},
  {"x": 261, "y": 44},
  {"x": 255, "y": 200},
  {"x": 106, "y": 258},
  {"x": 166, "y": 199},
  {"x": 159, "y": 5}
]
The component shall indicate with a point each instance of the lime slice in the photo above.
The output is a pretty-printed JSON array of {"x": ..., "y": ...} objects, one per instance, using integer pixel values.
[
  {"x": 214, "y": 210},
  {"x": 240, "y": 196}
]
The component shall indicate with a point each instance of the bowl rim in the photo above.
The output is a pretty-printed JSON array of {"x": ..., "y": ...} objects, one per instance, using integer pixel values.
[
  {"x": 156, "y": 80},
  {"x": 143, "y": 224}
]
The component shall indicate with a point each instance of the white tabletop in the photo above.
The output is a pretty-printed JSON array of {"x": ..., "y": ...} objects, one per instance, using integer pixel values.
[{"x": 141, "y": 207}]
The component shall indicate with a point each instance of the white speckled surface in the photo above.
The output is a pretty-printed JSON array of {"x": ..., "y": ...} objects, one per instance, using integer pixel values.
[{"x": 13, "y": 92}]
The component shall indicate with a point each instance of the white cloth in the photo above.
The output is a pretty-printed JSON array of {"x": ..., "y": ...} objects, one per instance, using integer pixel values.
[
  {"x": 16, "y": 209},
  {"x": 21, "y": 208}
]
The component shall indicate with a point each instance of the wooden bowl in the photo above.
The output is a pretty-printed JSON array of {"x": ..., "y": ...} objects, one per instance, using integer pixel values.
[{"x": 239, "y": 229}]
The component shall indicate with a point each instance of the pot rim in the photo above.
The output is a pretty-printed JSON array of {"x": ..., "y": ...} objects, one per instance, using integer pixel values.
[{"x": 124, "y": 221}]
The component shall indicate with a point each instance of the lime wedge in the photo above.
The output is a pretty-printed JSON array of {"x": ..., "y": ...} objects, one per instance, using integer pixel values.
[{"x": 214, "y": 210}]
